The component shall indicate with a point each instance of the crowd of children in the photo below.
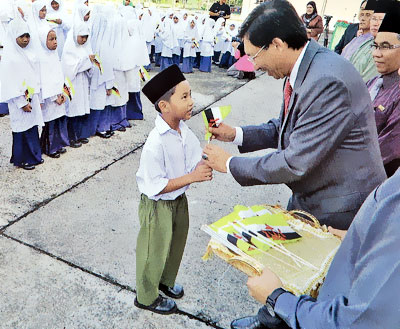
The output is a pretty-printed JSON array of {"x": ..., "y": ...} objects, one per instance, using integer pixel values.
[{"x": 73, "y": 76}]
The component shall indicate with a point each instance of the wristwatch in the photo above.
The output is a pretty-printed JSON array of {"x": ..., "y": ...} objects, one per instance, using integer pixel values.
[{"x": 271, "y": 300}]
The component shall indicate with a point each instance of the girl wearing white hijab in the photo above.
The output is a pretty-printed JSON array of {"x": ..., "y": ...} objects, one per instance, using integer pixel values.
[
  {"x": 20, "y": 89},
  {"x": 3, "y": 15},
  {"x": 122, "y": 64},
  {"x": 169, "y": 42},
  {"x": 59, "y": 22},
  {"x": 101, "y": 84},
  {"x": 228, "y": 51},
  {"x": 179, "y": 32},
  {"x": 76, "y": 62},
  {"x": 55, "y": 133},
  {"x": 207, "y": 45},
  {"x": 191, "y": 39},
  {"x": 158, "y": 44},
  {"x": 149, "y": 29},
  {"x": 219, "y": 30},
  {"x": 38, "y": 21},
  {"x": 136, "y": 47},
  {"x": 201, "y": 19}
]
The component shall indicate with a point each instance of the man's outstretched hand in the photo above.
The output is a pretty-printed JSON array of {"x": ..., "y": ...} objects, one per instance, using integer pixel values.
[
  {"x": 216, "y": 157},
  {"x": 223, "y": 133}
]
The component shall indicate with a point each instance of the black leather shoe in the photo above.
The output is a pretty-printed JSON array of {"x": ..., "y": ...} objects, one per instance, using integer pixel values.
[
  {"x": 62, "y": 150},
  {"x": 122, "y": 129},
  {"x": 74, "y": 145},
  {"x": 103, "y": 135},
  {"x": 41, "y": 162},
  {"x": 83, "y": 140},
  {"x": 54, "y": 155},
  {"x": 27, "y": 166},
  {"x": 249, "y": 322},
  {"x": 161, "y": 305},
  {"x": 175, "y": 292}
]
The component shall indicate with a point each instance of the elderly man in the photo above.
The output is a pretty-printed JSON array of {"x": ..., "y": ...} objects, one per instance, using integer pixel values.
[
  {"x": 326, "y": 139},
  {"x": 385, "y": 93},
  {"x": 353, "y": 30},
  {"x": 362, "y": 57},
  {"x": 360, "y": 289}
]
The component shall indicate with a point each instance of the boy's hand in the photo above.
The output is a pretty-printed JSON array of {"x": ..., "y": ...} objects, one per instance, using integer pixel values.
[
  {"x": 202, "y": 172},
  {"x": 27, "y": 108},
  {"x": 223, "y": 133}
]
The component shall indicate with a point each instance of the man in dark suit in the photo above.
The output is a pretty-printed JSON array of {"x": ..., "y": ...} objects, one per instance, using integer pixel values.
[
  {"x": 326, "y": 142},
  {"x": 351, "y": 32}
]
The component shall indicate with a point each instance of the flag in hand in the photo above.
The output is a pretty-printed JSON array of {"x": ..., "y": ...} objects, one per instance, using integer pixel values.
[
  {"x": 29, "y": 91},
  {"x": 98, "y": 63},
  {"x": 214, "y": 116},
  {"x": 68, "y": 89},
  {"x": 143, "y": 74}
]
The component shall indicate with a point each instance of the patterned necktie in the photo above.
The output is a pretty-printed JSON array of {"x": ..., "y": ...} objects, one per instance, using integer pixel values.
[
  {"x": 375, "y": 89},
  {"x": 286, "y": 94}
]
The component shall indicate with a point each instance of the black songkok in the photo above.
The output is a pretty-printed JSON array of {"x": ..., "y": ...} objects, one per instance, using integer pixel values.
[
  {"x": 391, "y": 22},
  {"x": 163, "y": 82}
]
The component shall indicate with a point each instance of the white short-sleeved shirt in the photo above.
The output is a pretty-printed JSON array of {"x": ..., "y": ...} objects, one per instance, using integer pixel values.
[{"x": 167, "y": 155}]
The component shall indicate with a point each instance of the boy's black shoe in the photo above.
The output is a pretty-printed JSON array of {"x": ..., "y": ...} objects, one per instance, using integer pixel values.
[
  {"x": 175, "y": 292},
  {"x": 161, "y": 305}
]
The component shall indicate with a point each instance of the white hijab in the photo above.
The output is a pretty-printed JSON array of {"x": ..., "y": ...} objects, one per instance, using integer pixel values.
[
  {"x": 56, "y": 14},
  {"x": 136, "y": 41},
  {"x": 51, "y": 74},
  {"x": 18, "y": 66},
  {"x": 218, "y": 27},
  {"x": 73, "y": 52},
  {"x": 179, "y": 29},
  {"x": 190, "y": 32},
  {"x": 149, "y": 26},
  {"x": 208, "y": 33},
  {"x": 102, "y": 30}
]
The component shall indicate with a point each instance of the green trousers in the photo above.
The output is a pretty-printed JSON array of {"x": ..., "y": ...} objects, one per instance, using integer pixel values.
[{"x": 160, "y": 244}]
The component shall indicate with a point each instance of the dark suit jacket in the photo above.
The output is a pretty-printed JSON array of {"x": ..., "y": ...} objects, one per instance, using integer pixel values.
[
  {"x": 349, "y": 34},
  {"x": 327, "y": 146}
]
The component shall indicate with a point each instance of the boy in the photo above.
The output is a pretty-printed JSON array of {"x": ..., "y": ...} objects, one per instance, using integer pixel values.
[{"x": 170, "y": 161}]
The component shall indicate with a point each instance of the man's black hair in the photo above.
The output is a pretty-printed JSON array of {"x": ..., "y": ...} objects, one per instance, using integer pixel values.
[
  {"x": 274, "y": 19},
  {"x": 166, "y": 97}
]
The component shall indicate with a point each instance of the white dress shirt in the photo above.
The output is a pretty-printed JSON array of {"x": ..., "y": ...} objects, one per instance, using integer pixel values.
[
  {"x": 292, "y": 79},
  {"x": 167, "y": 155}
]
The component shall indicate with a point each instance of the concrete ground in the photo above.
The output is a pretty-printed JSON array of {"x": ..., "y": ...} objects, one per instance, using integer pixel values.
[{"x": 68, "y": 228}]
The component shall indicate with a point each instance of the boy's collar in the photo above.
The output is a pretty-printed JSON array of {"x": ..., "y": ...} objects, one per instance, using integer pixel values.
[{"x": 162, "y": 127}]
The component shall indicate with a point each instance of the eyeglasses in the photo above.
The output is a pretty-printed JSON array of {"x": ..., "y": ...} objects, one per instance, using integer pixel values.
[
  {"x": 376, "y": 19},
  {"x": 384, "y": 46},
  {"x": 252, "y": 58}
]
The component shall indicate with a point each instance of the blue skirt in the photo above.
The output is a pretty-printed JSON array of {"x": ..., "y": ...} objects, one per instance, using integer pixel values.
[
  {"x": 86, "y": 130},
  {"x": 205, "y": 64},
  {"x": 100, "y": 121},
  {"x": 157, "y": 57},
  {"x": 134, "y": 107},
  {"x": 165, "y": 62},
  {"x": 74, "y": 125},
  {"x": 54, "y": 135},
  {"x": 187, "y": 65},
  {"x": 175, "y": 59},
  {"x": 216, "y": 56},
  {"x": 118, "y": 117},
  {"x": 196, "y": 63},
  {"x": 226, "y": 60},
  {"x": 3, "y": 108},
  {"x": 26, "y": 147}
]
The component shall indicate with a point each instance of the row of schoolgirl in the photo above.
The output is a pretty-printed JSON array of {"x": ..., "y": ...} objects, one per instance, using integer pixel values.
[
  {"x": 93, "y": 90},
  {"x": 191, "y": 42}
]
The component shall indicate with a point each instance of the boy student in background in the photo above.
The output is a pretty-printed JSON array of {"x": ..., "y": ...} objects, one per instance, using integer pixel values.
[
  {"x": 170, "y": 162},
  {"x": 20, "y": 88},
  {"x": 54, "y": 136}
]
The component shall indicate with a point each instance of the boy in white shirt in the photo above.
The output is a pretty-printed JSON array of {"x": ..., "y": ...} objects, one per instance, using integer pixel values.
[{"x": 170, "y": 162}]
